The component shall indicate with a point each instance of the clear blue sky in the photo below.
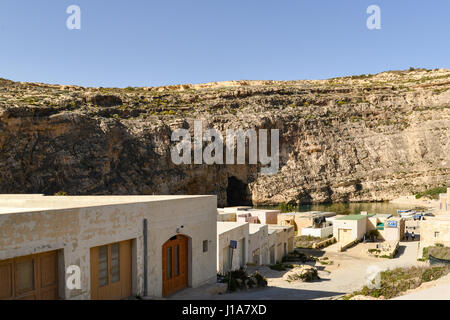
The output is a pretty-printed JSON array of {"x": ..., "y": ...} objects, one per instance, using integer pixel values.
[{"x": 149, "y": 43}]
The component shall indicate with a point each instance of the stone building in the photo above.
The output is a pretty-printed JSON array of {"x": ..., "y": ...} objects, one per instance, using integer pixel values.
[
  {"x": 350, "y": 228},
  {"x": 444, "y": 202},
  {"x": 301, "y": 219},
  {"x": 435, "y": 230},
  {"x": 258, "y": 244},
  {"x": 121, "y": 245},
  {"x": 284, "y": 241},
  {"x": 229, "y": 258}
]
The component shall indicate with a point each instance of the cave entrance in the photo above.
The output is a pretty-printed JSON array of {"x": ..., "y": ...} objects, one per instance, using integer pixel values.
[{"x": 237, "y": 193}]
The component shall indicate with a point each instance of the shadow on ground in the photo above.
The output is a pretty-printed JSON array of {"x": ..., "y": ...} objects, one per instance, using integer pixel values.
[{"x": 269, "y": 293}]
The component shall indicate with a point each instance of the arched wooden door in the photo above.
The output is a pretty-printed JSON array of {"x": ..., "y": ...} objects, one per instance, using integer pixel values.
[{"x": 175, "y": 265}]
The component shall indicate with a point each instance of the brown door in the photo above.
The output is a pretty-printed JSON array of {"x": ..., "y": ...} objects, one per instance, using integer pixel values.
[
  {"x": 175, "y": 264},
  {"x": 33, "y": 277},
  {"x": 111, "y": 271}
]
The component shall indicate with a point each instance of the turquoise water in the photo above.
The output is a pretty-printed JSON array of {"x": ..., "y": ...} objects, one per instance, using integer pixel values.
[{"x": 352, "y": 207}]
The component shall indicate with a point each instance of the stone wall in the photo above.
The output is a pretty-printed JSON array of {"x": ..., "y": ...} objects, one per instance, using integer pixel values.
[{"x": 75, "y": 230}]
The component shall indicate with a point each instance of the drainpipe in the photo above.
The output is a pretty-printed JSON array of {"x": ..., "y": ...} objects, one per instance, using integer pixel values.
[{"x": 145, "y": 257}]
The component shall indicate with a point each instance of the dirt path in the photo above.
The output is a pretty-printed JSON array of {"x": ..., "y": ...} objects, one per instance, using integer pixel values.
[{"x": 348, "y": 273}]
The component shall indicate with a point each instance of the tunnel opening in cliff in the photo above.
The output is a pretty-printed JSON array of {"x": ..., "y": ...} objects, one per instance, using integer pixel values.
[{"x": 237, "y": 193}]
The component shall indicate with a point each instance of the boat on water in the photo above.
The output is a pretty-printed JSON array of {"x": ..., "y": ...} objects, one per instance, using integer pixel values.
[{"x": 406, "y": 213}]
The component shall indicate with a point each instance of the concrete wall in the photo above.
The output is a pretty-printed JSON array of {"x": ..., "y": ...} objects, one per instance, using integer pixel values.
[
  {"x": 74, "y": 231},
  {"x": 284, "y": 237},
  {"x": 394, "y": 234},
  {"x": 286, "y": 219},
  {"x": 303, "y": 222},
  {"x": 435, "y": 230},
  {"x": 371, "y": 224},
  {"x": 272, "y": 241},
  {"x": 358, "y": 228},
  {"x": 258, "y": 239},
  {"x": 318, "y": 232},
  {"x": 266, "y": 216},
  {"x": 226, "y": 216},
  {"x": 227, "y": 231}
]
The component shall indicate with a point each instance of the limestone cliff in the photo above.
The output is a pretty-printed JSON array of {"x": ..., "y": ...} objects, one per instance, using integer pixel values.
[{"x": 361, "y": 138}]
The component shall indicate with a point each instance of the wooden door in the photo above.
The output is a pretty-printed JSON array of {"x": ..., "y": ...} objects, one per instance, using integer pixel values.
[
  {"x": 111, "y": 271},
  {"x": 33, "y": 277},
  {"x": 175, "y": 265}
]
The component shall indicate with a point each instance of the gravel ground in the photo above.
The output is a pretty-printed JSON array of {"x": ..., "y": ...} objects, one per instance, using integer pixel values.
[{"x": 348, "y": 273}]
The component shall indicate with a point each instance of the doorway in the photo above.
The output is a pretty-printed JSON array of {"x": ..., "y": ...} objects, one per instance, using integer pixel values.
[
  {"x": 175, "y": 264},
  {"x": 111, "y": 271}
]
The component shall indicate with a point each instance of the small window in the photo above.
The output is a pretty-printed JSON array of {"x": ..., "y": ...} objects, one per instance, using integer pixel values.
[
  {"x": 169, "y": 263},
  {"x": 25, "y": 276},
  {"x": 115, "y": 262},
  {"x": 205, "y": 246},
  {"x": 436, "y": 234},
  {"x": 177, "y": 257},
  {"x": 103, "y": 266}
]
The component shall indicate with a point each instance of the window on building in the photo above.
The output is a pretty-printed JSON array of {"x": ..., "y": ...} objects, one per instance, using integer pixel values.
[
  {"x": 436, "y": 234},
  {"x": 205, "y": 246},
  {"x": 103, "y": 266},
  {"x": 115, "y": 262}
]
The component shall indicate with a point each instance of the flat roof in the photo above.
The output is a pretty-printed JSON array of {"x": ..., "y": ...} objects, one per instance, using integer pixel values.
[
  {"x": 354, "y": 217},
  {"x": 279, "y": 228},
  {"x": 255, "y": 227},
  {"x": 227, "y": 226},
  {"x": 10, "y": 204},
  {"x": 314, "y": 214},
  {"x": 263, "y": 210}
]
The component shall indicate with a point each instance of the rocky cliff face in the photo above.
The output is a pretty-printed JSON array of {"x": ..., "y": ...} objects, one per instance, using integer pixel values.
[{"x": 361, "y": 138}]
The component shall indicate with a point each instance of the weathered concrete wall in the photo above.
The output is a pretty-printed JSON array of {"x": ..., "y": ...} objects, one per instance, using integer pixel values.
[
  {"x": 317, "y": 232},
  {"x": 226, "y": 217},
  {"x": 266, "y": 216},
  {"x": 358, "y": 227},
  {"x": 258, "y": 239},
  {"x": 444, "y": 202},
  {"x": 286, "y": 219},
  {"x": 272, "y": 246},
  {"x": 433, "y": 231},
  {"x": 284, "y": 237},
  {"x": 394, "y": 234},
  {"x": 227, "y": 231},
  {"x": 74, "y": 231}
]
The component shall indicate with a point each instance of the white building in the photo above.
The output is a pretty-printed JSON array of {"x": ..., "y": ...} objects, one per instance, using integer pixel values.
[
  {"x": 258, "y": 253},
  {"x": 229, "y": 258},
  {"x": 284, "y": 241}
]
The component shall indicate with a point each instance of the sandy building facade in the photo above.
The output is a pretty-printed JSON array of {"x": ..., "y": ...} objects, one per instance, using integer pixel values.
[
  {"x": 435, "y": 230},
  {"x": 284, "y": 242},
  {"x": 350, "y": 228},
  {"x": 229, "y": 258},
  {"x": 444, "y": 202},
  {"x": 258, "y": 252},
  {"x": 122, "y": 245}
]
